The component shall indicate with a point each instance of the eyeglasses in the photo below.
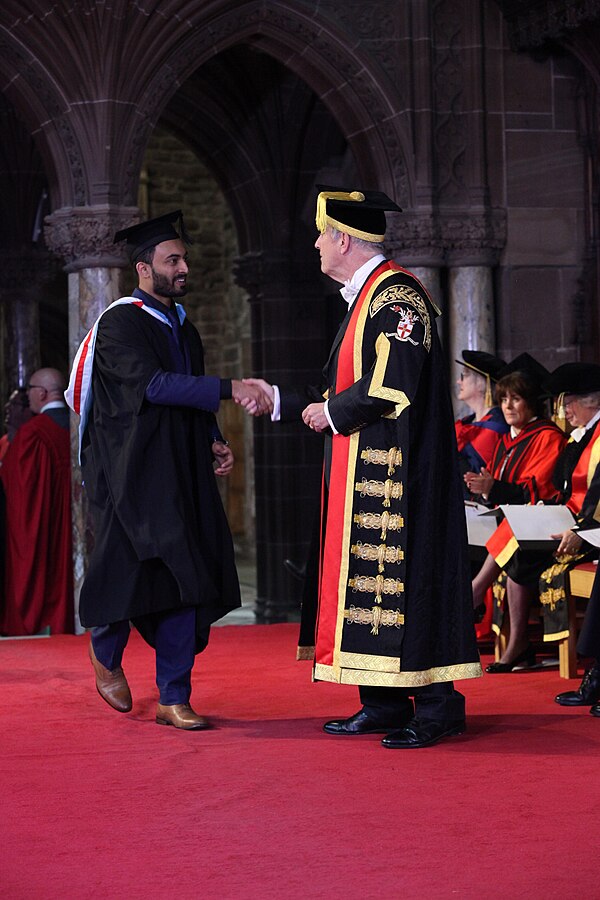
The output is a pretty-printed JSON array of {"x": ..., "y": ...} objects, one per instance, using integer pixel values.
[{"x": 40, "y": 387}]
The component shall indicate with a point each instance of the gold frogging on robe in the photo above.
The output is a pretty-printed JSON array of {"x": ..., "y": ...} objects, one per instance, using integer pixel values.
[
  {"x": 374, "y": 617},
  {"x": 384, "y": 521},
  {"x": 387, "y": 489},
  {"x": 376, "y": 584},
  {"x": 379, "y": 553},
  {"x": 390, "y": 458}
]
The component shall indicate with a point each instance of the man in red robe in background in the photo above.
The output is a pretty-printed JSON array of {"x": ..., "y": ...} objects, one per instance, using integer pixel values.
[{"x": 36, "y": 477}]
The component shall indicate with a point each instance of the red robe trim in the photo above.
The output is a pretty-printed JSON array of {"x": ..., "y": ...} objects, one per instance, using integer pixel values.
[
  {"x": 529, "y": 460},
  {"x": 584, "y": 472},
  {"x": 339, "y": 504},
  {"x": 482, "y": 439}
]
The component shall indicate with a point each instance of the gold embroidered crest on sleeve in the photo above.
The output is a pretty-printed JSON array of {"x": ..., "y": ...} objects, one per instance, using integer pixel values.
[{"x": 404, "y": 297}]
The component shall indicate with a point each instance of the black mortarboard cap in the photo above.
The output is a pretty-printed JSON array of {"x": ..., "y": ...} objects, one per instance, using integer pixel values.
[
  {"x": 358, "y": 213},
  {"x": 573, "y": 378},
  {"x": 484, "y": 363},
  {"x": 527, "y": 366},
  {"x": 148, "y": 234}
]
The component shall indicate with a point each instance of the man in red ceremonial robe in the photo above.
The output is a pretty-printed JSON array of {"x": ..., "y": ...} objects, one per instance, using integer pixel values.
[
  {"x": 395, "y": 612},
  {"x": 36, "y": 477}
]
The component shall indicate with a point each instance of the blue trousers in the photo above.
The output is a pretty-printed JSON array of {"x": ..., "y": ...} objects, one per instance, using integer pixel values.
[{"x": 174, "y": 641}]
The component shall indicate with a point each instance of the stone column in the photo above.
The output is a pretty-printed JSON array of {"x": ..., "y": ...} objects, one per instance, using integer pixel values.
[
  {"x": 472, "y": 319},
  {"x": 474, "y": 241},
  {"x": 83, "y": 237},
  {"x": 412, "y": 240},
  {"x": 25, "y": 271}
]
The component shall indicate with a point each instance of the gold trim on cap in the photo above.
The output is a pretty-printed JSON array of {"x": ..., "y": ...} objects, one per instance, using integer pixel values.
[{"x": 322, "y": 220}]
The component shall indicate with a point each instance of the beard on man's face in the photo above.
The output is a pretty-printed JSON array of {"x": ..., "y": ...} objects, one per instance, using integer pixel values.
[{"x": 167, "y": 287}]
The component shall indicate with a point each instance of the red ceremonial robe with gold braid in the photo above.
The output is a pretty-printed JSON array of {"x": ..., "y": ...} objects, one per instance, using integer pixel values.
[
  {"x": 523, "y": 468},
  {"x": 584, "y": 502},
  {"x": 395, "y": 605}
]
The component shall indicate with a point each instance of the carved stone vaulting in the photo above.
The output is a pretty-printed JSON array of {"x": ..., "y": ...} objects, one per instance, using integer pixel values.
[{"x": 480, "y": 117}]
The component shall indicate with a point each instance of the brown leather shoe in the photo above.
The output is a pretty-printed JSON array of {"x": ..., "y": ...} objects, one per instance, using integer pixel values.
[
  {"x": 111, "y": 684},
  {"x": 181, "y": 715}
]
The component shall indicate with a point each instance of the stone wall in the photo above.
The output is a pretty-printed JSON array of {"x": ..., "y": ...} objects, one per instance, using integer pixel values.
[{"x": 540, "y": 180}]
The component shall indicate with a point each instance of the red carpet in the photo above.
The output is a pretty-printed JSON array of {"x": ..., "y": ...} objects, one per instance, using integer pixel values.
[{"x": 98, "y": 804}]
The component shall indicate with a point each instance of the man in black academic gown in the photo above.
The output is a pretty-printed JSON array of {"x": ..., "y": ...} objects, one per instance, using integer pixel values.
[{"x": 163, "y": 555}]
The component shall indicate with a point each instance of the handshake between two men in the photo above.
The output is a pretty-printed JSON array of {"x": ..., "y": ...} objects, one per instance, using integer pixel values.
[{"x": 258, "y": 397}]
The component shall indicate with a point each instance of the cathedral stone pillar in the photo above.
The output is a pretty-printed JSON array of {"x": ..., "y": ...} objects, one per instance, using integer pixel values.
[
  {"x": 474, "y": 242},
  {"x": 413, "y": 242},
  {"x": 25, "y": 271},
  {"x": 83, "y": 237},
  {"x": 472, "y": 320}
]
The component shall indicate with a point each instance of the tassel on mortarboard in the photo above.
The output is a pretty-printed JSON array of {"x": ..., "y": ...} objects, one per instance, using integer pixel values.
[
  {"x": 489, "y": 396},
  {"x": 559, "y": 417},
  {"x": 360, "y": 214}
]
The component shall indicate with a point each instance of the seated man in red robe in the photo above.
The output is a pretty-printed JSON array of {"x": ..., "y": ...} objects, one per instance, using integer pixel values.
[{"x": 36, "y": 477}]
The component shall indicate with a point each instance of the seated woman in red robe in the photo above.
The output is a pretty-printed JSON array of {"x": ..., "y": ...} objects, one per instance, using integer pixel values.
[
  {"x": 476, "y": 436},
  {"x": 520, "y": 472},
  {"x": 478, "y": 433}
]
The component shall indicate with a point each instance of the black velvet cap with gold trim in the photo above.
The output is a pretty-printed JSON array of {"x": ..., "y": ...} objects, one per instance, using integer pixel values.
[
  {"x": 529, "y": 367},
  {"x": 483, "y": 363},
  {"x": 360, "y": 214},
  {"x": 148, "y": 234},
  {"x": 573, "y": 378}
]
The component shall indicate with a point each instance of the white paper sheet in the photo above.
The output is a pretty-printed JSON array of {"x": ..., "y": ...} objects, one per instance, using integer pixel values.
[
  {"x": 591, "y": 536},
  {"x": 537, "y": 523},
  {"x": 480, "y": 527}
]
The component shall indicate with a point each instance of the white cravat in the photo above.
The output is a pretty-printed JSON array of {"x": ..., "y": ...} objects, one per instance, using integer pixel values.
[{"x": 354, "y": 284}]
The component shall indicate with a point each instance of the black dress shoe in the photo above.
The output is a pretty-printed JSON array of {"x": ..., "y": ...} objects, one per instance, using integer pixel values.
[
  {"x": 360, "y": 723},
  {"x": 595, "y": 710},
  {"x": 586, "y": 694},
  {"x": 422, "y": 733},
  {"x": 523, "y": 660}
]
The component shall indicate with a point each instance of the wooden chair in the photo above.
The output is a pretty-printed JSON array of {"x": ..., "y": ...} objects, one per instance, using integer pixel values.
[{"x": 581, "y": 579}]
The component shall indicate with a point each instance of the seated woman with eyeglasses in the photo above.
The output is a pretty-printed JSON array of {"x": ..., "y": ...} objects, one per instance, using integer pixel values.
[
  {"x": 476, "y": 436},
  {"x": 478, "y": 433},
  {"x": 520, "y": 471}
]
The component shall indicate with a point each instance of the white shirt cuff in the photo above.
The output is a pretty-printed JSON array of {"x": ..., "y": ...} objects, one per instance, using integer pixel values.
[
  {"x": 328, "y": 417},
  {"x": 276, "y": 414}
]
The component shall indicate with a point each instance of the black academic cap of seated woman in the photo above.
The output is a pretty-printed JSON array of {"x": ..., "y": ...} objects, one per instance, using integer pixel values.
[
  {"x": 573, "y": 378},
  {"x": 148, "y": 234},
  {"x": 483, "y": 363},
  {"x": 359, "y": 213},
  {"x": 529, "y": 367}
]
